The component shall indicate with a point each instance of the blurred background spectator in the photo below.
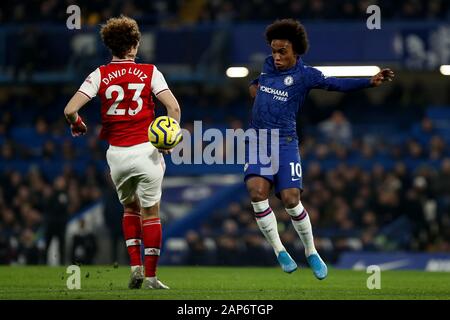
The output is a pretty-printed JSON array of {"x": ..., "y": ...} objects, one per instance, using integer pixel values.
[
  {"x": 172, "y": 12},
  {"x": 84, "y": 246}
]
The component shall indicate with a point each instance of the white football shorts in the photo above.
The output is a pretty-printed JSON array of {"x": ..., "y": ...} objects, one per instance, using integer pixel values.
[{"x": 137, "y": 171}]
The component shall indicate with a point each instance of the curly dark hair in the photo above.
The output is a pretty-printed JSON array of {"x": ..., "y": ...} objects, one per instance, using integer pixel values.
[
  {"x": 291, "y": 30},
  {"x": 120, "y": 35}
]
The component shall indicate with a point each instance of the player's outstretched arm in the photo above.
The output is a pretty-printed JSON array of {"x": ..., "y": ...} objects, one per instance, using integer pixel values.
[
  {"x": 381, "y": 77},
  {"x": 77, "y": 126},
  {"x": 170, "y": 102},
  {"x": 317, "y": 80}
]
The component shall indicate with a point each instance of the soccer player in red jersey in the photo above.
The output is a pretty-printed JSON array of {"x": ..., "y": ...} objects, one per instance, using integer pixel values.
[{"x": 137, "y": 168}]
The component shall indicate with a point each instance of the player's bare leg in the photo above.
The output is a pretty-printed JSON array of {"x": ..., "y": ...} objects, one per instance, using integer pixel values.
[
  {"x": 259, "y": 189},
  {"x": 132, "y": 230},
  {"x": 152, "y": 235},
  {"x": 302, "y": 224}
]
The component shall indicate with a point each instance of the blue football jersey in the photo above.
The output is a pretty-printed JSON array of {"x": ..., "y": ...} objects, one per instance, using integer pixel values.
[
  {"x": 278, "y": 100},
  {"x": 281, "y": 94}
]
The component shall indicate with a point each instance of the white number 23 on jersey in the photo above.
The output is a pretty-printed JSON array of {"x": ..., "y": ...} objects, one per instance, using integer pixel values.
[{"x": 114, "y": 110}]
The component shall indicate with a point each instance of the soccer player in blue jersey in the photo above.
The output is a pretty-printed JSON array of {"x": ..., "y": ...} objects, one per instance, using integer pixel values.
[{"x": 279, "y": 93}]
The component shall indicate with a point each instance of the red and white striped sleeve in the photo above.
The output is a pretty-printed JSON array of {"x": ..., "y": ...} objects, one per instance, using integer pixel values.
[
  {"x": 91, "y": 85},
  {"x": 159, "y": 84}
]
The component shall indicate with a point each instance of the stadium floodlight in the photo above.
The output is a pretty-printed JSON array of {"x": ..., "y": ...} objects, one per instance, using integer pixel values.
[
  {"x": 237, "y": 72},
  {"x": 445, "y": 69},
  {"x": 349, "y": 71}
]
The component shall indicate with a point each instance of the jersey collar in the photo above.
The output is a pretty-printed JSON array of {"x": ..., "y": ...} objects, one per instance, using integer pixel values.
[{"x": 123, "y": 61}]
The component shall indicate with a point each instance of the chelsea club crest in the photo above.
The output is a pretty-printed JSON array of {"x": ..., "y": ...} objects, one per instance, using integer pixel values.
[{"x": 288, "y": 80}]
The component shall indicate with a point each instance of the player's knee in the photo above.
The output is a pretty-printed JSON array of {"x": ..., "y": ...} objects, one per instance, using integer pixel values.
[
  {"x": 132, "y": 207},
  {"x": 290, "y": 202},
  {"x": 150, "y": 212},
  {"x": 147, "y": 214},
  {"x": 258, "y": 194}
]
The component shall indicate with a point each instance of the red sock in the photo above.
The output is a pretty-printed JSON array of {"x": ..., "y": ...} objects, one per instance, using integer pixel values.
[
  {"x": 132, "y": 232},
  {"x": 152, "y": 235}
]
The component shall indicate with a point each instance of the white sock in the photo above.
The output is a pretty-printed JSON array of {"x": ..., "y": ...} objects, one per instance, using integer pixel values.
[
  {"x": 302, "y": 224},
  {"x": 267, "y": 223}
]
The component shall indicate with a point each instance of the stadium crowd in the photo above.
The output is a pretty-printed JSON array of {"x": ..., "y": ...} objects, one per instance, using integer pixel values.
[
  {"x": 175, "y": 12},
  {"x": 363, "y": 190}
]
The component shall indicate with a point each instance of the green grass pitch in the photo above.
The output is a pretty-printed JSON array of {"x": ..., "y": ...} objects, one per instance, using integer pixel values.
[{"x": 220, "y": 283}]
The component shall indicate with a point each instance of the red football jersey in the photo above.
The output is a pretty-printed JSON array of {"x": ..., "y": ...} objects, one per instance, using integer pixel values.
[{"x": 127, "y": 108}]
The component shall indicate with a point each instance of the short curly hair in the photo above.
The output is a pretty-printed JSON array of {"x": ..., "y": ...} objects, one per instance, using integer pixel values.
[
  {"x": 120, "y": 35},
  {"x": 291, "y": 30}
]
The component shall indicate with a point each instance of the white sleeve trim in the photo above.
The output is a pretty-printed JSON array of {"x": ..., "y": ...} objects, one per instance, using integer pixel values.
[
  {"x": 91, "y": 85},
  {"x": 158, "y": 84}
]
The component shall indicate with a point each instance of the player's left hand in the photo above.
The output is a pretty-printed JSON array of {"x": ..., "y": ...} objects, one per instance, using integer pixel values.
[
  {"x": 382, "y": 76},
  {"x": 78, "y": 128}
]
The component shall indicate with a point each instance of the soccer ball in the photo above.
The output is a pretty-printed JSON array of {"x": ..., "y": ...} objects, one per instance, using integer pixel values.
[{"x": 164, "y": 133}]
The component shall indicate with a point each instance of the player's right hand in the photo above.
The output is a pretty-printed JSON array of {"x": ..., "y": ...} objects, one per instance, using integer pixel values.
[
  {"x": 163, "y": 151},
  {"x": 381, "y": 77},
  {"x": 78, "y": 128}
]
